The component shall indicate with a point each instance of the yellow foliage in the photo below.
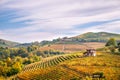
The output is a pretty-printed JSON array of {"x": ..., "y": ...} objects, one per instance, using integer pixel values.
[{"x": 82, "y": 68}]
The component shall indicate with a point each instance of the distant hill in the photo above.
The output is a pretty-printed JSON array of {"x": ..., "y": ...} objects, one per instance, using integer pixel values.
[
  {"x": 6, "y": 43},
  {"x": 86, "y": 37},
  {"x": 28, "y": 44},
  {"x": 97, "y": 37}
]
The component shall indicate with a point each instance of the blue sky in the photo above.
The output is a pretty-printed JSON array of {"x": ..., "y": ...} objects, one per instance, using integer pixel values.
[{"x": 37, "y": 20}]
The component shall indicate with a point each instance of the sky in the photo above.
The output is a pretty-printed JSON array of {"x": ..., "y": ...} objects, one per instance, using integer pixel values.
[{"x": 37, "y": 20}]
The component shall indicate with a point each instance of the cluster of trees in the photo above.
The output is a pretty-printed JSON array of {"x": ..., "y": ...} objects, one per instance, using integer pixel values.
[
  {"x": 13, "y": 59},
  {"x": 10, "y": 67},
  {"x": 12, "y": 52},
  {"x": 113, "y": 45}
]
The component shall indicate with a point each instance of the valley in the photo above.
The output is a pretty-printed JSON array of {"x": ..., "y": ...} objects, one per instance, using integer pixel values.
[{"x": 62, "y": 59}]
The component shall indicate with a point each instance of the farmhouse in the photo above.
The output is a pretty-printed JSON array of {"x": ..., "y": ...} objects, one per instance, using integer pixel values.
[{"x": 90, "y": 52}]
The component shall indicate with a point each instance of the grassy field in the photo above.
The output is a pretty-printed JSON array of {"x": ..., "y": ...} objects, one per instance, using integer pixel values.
[{"x": 73, "y": 67}]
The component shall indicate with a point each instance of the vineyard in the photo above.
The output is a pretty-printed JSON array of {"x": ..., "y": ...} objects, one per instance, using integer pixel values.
[
  {"x": 46, "y": 63},
  {"x": 73, "y": 67}
]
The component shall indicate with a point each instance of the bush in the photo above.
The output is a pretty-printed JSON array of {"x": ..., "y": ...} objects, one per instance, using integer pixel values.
[{"x": 12, "y": 71}]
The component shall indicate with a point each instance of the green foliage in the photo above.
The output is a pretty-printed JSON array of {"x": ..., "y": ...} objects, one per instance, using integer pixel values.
[
  {"x": 112, "y": 46},
  {"x": 12, "y": 60},
  {"x": 112, "y": 49},
  {"x": 31, "y": 48},
  {"x": 86, "y": 37},
  {"x": 22, "y": 50},
  {"x": 111, "y": 42},
  {"x": 119, "y": 46},
  {"x": 40, "y": 53},
  {"x": 5, "y": 53},
  {"x": 12, "y": 71}
]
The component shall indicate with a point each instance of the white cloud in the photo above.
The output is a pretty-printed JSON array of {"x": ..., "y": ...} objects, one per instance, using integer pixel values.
[
  {"x": 29, "y": 36},
  {"x": 46, "y": 18},
  {"x": 108, "y": 27}
]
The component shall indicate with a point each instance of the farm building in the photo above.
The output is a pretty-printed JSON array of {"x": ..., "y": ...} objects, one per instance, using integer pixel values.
[{"x": 90, "y": 52}]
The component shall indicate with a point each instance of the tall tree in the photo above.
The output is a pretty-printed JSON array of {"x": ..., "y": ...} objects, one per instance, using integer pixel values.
[{"x": 111, "y": 44}]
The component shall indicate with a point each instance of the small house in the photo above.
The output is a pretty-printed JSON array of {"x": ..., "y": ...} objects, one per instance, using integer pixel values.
[{"x": 90, "y": 52}]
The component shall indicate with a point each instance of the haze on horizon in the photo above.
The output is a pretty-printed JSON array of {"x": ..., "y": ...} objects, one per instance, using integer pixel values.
[{"x": 36, "y": 20}]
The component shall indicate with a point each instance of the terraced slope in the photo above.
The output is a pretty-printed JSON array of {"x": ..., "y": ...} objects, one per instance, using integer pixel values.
[{"x": 48, "y": 62}]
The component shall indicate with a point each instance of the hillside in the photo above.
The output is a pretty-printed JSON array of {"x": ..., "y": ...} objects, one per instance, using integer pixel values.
[
  {"x": 73, "y": 67},
  {"x": 6, "y": 43},
  {"x": 73, "y": 47},
  {"x": 100, "y": 37},
  {"x": 97, "y": 37},
  {"x": 86, "y": 37}
]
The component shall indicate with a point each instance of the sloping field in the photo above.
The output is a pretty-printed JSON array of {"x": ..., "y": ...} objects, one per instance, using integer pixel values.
[
  {"x": 73, "y": 47},
  {"x": 70, "y": 67}
]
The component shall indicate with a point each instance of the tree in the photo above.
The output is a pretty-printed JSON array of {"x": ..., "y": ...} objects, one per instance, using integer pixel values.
[
  {"x": 17, "y": 66},
  {"x": 12, "y": 71},
  {"x": 23, "y": 52},
  {"x": 119, "y": 46},
  {"x": 29, "y": 49},
  {"x": 18, "y": 59},
  {"x": 111, "y": 44},
  {"x": 36, "y": 58},
  {"x": 6, "y": 53},
  {"x": 8, "y": 61},
  {"x": 1, "y": 70}
]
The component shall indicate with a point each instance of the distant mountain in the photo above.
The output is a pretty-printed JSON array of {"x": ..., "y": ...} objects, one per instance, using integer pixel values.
[
  {"x": 86, "y": 37},
  {"x": 6, "y": 43}
]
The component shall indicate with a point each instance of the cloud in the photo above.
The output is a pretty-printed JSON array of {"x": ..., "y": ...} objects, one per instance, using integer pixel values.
[
  {"x": 44, "y": 18},
  {"x": 108, "y": 27},
  {"x": 29, "y": 36}
]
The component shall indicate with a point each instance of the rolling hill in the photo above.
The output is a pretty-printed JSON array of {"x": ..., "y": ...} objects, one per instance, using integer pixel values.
[
  {"x": 86, "y": 37},
  {"x": 98, "y": 37},
  {"x": 80, "y": 42},
  {"x": 6, "y": 43},
  {"x": 101, "y": 37},
  {"x": 73, "y": 67}
]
